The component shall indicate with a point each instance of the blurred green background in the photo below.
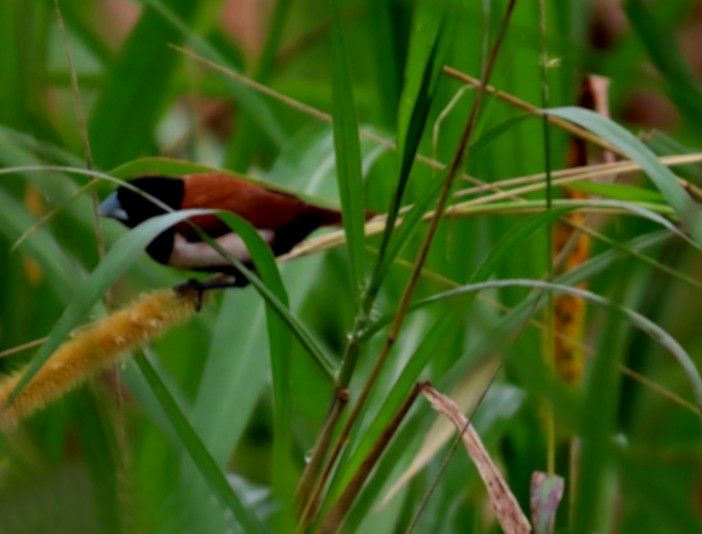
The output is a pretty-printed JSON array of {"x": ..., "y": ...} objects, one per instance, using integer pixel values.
[{"x": 106, "y": 458}]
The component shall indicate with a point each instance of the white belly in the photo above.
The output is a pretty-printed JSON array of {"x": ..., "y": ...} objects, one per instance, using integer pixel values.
[{"x": 200, "y": 255}]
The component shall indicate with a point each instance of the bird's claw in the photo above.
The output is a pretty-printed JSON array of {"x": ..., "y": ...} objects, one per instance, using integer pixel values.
[
  {"x": 192, "y": 285},
  {"x": 199, "y": 287}
]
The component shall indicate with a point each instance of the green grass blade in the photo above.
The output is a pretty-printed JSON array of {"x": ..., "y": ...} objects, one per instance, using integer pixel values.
[
  {"x": 410, "y": 224},
  {"x": 42, "y": 248},
  {"x": 662, "y": 176},
  {"x": 279, "y": 340},
  {"x": 425, "y": 59},
  {"x": 204, "y": 461},
  {"x": 299, "y": 331},
  {"x": 597, "y": 427},
  {"x": 630, "y": 193},
  {"x": 348, "y": 155},
  {"x": 504, "y": 247}
]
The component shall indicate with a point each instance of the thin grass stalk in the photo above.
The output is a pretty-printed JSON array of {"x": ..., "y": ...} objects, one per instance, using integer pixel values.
[
  {"x": 83, "y": 130},
  {"x": 308, "y": 492},
  {"x": 342, "y": 506},
  {"x": 124, "y": 491},
  {"x": 549, "y": 416},
  {"x": 480, "y": 185},
  {"x": 530, "y": 108},
  {"x": 588, "y": 171},
  {"x": 459, "y": 159},
  {"x": 312, "y": 469}
]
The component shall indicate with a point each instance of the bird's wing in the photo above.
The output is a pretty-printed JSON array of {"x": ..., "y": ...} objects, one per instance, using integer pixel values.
[{"x": 261, "y": 207}]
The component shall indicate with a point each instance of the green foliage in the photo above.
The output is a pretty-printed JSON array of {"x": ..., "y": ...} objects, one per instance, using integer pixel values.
[{"x": 210, "y": 428}]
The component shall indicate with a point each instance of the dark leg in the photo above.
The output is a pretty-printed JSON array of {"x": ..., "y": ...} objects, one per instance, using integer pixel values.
[{"x": 216, "y": 282}]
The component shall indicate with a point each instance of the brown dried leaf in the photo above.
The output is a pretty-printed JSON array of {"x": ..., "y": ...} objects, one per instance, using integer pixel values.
[
  {"x": 467, "y": 395},
  {"x": 509, "y": 515}
]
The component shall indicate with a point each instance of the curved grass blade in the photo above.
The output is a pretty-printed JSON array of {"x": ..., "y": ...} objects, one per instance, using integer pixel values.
[
  {"x": 116, "y": 261},
  {"x": 158, "y": 165},
  {"x": 246, "y": 231},
  {"x": 662, "y": 176},
  {"x": 507, "y": 244},
  {"x": 655, "y": 332},
  {"x": 198, "y": 452},
  {"x": 503, "y": 248}
]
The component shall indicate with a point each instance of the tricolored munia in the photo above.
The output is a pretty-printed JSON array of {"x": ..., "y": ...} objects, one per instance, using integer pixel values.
[{"x": 281, "y": 219}]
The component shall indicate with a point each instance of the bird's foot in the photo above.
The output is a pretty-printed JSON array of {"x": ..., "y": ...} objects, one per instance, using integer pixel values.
[{"x": 199, "y": 287}]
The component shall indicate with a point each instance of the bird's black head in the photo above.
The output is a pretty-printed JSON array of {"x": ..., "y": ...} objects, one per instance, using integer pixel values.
[{"x": 132, "y": 208}]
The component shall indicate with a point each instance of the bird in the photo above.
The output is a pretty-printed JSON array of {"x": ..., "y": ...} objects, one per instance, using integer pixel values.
[{"x": 280, "y": 218}]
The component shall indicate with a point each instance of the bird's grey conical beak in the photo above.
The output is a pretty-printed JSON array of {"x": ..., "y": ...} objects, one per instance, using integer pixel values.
[{"x": 112, "y": 208}]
